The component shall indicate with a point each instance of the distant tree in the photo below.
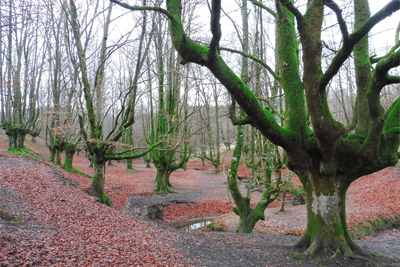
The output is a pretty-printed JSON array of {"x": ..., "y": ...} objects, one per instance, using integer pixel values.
[
  {"x": 22, "y": 60},
  {"x": 210, "y": 134},
  {"x": 167, "y": 128},
  {"x": 96, "y": 144}
]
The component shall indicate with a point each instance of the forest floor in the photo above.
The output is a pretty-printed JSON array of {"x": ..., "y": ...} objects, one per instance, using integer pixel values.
[{"x": 48, "y": 219}]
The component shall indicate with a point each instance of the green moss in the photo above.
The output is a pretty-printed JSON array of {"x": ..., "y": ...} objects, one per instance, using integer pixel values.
[
  {"x": 72, "y": 169},
  {"x": 220, "y": 228},
  {"x": 9, "y": 218},
  {"x": 106, "y": 200},
  {"x": 155, "y": 212},
  {"x": 164, "y": 191},
  {"x": 368, "y": 228},
  {"x": 298, "y": 256},
  {"x": 25, "y": 152}
]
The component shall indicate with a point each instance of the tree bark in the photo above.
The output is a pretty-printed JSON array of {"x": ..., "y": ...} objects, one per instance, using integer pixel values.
[
  {"x": 99, "y": 180},
  {"x": 69, "y": 152},
  {"x": 163, "y": 182},
  {"x": 326, "y": 221}
]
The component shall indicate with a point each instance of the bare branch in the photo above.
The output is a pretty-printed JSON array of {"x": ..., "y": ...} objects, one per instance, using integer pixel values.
[
  {"x": 342, "y": 24},
  {"x": 215, "y": 28},
  {"x": 273, "y": 73},
  {"x": 354, "y": 38},
  {"x": 143, "y": 8},
  {"x": 259, "y": 4}
]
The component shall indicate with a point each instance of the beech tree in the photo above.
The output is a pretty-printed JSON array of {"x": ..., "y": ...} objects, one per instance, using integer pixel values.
[
  {"x": 22, "y": 60},
  {"x": 326, "y": 155},
  {"x": 98, "y": 145},
  {"x": 249, "y": 216},
  {"x": 167, "y": 129}
]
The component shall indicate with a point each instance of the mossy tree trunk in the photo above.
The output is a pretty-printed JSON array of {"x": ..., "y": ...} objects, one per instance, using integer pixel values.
[
  {"x": 98, "y": 182},
  {"x": 248, "y": 216},
  {"x": 16, "y": 136},
  {"x": 129, "y": 139},
  {"x": 19, "y": 112},
  {"x": 168, "y": 131},
  {"x": 69, "y": 152},
  {"x": 326, "y": 219},
  {"x": 326, "y": 155},
  {"x": 162, "y": 182}
]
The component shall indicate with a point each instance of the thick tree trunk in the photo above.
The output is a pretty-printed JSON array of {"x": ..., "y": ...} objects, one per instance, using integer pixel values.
[
  {"x": 16, "y": 138},
  {"x": 247, "y": 222},
  {"x": 99, "y": 180},
  {"x": 129, "y": 164},
  {"x": 162, "y": 182},
  {"x": 326, "y": 220},
  {"x": 216, "y": 168},
  {"x": 16, "y": 141},
  {"x": 69, "y": 151},
  {"x": 58, "y": 156},
  {"x": 52, "y": 153},
  {"x": 167, "y": 175}
]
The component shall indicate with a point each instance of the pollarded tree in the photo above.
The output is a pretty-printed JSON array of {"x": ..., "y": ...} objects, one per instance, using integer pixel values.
[
  {"x": 249, "y": 216},
  {"x": 96, "y": 144},
  {"x": 23, "y": 68},
  {"x": 168, "y": 129},
  {"x": 326, "y": 155}
]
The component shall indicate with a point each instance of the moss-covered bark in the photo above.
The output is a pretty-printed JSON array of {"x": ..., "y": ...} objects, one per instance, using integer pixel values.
[
  {"x": 16, "y": 136},
  {"x": 248, "y": 216},
  {"x": 69, "y": 152},
  {"x": 163, "y": 183},
  {"x": 99, "y": 180},
  {"x": 168, "y": 131}
]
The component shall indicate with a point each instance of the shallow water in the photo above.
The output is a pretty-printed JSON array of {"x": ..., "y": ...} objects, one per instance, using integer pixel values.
[{"x": 193, "y": 224}]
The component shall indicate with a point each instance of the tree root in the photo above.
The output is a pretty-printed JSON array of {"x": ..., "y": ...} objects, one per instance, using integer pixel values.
[
  {"x": 304, "y": 242},
  {"x": 100, "y": 197},
  {"x": 105, "y": 199},
  {"x": 164, "y": 191},
  {"x": 312, "y": 250},
  {"x": 349, "y": 251}
]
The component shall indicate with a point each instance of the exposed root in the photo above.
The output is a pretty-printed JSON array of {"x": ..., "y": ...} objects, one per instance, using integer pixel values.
[
  {"x": 304, "y": 242},
  {"x": 357, "y": 250},
  {"x": 312, "y": 250},
  {"x": 348, "y": 251},
  {"x": 164, "y": 191},
  {"x": 362, "y": 258},
  {"x": 100, "y": 197}
]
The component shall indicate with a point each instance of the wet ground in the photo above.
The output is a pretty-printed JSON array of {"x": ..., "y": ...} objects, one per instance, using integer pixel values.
[{"x": 205, "y": 248}]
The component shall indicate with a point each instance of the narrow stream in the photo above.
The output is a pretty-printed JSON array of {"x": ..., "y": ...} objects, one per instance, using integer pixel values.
[{"x": 193, "y": 224}]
